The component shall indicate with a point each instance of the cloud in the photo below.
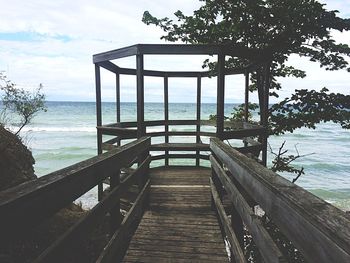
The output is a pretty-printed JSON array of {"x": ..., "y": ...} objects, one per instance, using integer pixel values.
[{"x": 52, "y": 42}]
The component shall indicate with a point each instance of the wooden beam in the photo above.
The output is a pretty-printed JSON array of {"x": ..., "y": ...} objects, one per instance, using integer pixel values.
[
  {"x": 48, "y": 194},
  {"x": 198, "y": 126},
  {"x": 140, "y": 96},
  {"x": 220, "y": 102},
  {"x": 319, "y": 230},
  {"x": 117, "y": 96},
  {"x": 267, "y": 248},
  {"x": 246, "y": 97},
  {"x": 115, "y": 249},
  {"x": 98, "y": 121},
  {"x": 236, "y": 250},
  {"x": 180, "y": 147},
  {"x": 166, "y": 117},
  {"x": 180, "y": 156}
]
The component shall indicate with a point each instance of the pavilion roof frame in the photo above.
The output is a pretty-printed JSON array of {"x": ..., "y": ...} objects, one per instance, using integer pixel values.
[{"x": 179, "y": 49}]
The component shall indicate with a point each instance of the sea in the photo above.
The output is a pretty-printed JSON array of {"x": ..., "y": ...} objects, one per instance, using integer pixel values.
[{"x": 66, "y": 134}]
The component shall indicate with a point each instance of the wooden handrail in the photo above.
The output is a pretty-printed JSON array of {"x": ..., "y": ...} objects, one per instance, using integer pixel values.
[
  {"x": 39, "y": 199},
  {"x": 81, "y": 228},
  {"x": 319, "y": 230}
]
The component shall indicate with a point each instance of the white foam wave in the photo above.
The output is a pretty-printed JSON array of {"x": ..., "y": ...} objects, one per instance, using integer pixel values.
[{"x": 56, "y": 129}]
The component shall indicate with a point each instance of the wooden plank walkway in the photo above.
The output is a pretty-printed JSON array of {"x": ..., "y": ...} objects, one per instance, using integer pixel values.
[{"x": 179, "y": 225}]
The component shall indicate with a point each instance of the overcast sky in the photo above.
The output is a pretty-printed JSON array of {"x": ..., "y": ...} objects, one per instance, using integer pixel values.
[{"x": 52, "y": 42}]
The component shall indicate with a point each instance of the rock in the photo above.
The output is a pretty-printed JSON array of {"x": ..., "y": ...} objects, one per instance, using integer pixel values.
[{"x": 16, "y": 160}]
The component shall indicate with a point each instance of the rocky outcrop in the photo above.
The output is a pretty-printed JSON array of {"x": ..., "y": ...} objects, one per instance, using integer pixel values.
[{"x": 16, "y": 160}]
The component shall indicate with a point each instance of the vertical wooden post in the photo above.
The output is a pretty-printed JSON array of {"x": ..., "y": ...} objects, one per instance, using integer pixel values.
[
  {"x": 246, "y": 97},
  {"x": 198, "y": 127},
  {"x": 237, "y": 226},
  {"x": 117, "y": 97},
  {"x": 115, "y": 216},
  {"x": 220, "y": 103},
  {"x": 266, "y": 89},
  {"x": 99, "y": 121},
  {"x": 140, "y": 96},
  {"x": 166, "y": 117}
]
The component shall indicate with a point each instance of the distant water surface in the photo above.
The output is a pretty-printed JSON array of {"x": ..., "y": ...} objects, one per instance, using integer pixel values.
[{"x": 66, "y": 134}]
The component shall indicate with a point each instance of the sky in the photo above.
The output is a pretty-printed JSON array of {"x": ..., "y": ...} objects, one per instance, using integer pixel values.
[{"x": 52, "y": 42}]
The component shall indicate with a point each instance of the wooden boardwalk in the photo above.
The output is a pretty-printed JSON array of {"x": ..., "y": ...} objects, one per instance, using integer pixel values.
[{"x": 179, "y": 225}]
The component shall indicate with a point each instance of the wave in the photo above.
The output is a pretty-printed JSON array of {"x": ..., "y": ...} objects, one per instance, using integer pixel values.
[{"x": 55, "y": 129}]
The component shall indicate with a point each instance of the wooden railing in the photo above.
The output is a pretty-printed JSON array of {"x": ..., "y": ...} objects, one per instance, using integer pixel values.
[
  {"x": 317, "y": 229},
  {"x": 29, "y": 204},
  {"x": 197, "y": 150}
]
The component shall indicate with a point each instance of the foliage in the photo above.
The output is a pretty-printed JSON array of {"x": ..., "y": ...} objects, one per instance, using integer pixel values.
[
  {"x": 237, "y": 113},
  {"x": 21, "y": 102},
  {"x": 275, "y": 29},
  {"x": 307, "y": 108}
]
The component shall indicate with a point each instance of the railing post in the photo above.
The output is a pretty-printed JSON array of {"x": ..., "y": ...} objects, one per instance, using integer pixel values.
[
  {"x": 220, "y": 103},
  {"x": 166, "y": 117},
  {"x": 115, "y": 216},
  {"x": 140, "y": 96},
  {"x": 99, "y": 121},
  {"x": 237, "y": 225},
  {"x": 198, "y": 127}
]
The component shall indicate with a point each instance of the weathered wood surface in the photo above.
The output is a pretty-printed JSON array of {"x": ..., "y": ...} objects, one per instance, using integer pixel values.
[
  {"x": 180, "y": 147},
  {"x": 48, "y": 194},
  {"x": 180, "y": 49},
  {"x": 180, "y": 225},
  {"x": 235, "y": 247},
  {"x": 267, "y": 247},
  {"x": 319, "y": 230},
  {"x": 80, "y": 230}
]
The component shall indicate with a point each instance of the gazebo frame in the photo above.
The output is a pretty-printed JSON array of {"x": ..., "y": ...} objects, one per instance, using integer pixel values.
[{"x": 128, "y": 130}]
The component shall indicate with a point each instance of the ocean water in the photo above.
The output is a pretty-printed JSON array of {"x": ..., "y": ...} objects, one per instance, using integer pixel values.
[{"x": 66, "y": 134}]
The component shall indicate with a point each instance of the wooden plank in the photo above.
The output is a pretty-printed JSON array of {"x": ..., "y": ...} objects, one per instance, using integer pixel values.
[
  {"x": 180, "y": 223},
  {"x": 267, "y": 247},
  {"x": 235, "y": 247},
  {"x": 114, "y": 54},
  {"x": 119, "y": 241},
  {"x": 109, "y": 147},
  {"x": 180, "y": 156},
  {"x": 318, "y": 229},
  {"x": 117, "y": 131},
  {"x": 181, "y": 49},
  {"x": 180, "y": 147},
  {"x": 48, "y": 194},
  {"x": 80, "y": 230}
]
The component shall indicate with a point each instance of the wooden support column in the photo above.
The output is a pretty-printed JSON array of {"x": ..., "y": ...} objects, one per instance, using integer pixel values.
[
  {"x": 198, "y": 127},
  {"x": 246, "y": 96},
  {"x": 99, "y": 120},
  {"x": 220, "y": 103},
  {"x": 266, "y": 89},
  {"x": 115, "y": 216},
  {"x": 166, "y": 117},
  {"x": 117, "y": 97},
  {"x": 237, "y": 225},
  {"x": 140, "y": 96}
]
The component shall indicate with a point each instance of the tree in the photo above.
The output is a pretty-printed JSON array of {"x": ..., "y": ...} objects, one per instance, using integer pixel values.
[
  {"x": 278, "y": 28},
  {"x": 21, "y": 102}
]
